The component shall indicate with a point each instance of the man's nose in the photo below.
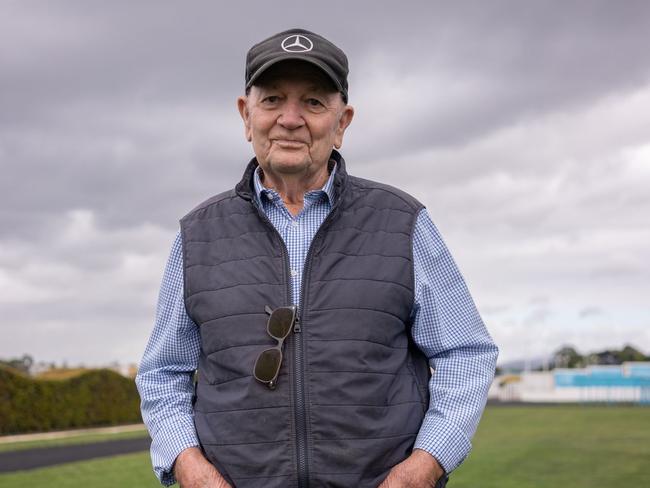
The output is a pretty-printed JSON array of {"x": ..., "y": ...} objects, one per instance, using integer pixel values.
[{"x": 291, "y": 116}]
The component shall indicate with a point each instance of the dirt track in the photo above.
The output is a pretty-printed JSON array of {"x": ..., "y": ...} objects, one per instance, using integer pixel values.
[{"x": 48, "y": 456}]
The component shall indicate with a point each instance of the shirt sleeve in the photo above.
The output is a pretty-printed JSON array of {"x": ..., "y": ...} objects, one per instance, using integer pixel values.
[
  {"x": 449, "y": 331},
  {"x": 165, "y": 376}
]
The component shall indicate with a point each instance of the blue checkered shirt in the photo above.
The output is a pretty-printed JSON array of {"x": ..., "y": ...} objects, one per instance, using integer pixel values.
[{"x": 446, "y": 327}]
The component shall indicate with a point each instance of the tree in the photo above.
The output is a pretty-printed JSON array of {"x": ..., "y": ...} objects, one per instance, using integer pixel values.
[
  {"x": 23, "y": 364},
  {"x": 568, "y": 357},
  {"x": 629, "y": 353}
]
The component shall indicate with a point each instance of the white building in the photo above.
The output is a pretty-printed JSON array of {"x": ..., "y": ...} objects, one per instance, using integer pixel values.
[{"x": 629, "y": 383}]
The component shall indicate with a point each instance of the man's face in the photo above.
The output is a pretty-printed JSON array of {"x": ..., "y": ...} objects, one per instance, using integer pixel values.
[{"x": 294, "y": 117}]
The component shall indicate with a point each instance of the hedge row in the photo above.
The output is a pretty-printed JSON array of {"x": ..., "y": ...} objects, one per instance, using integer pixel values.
[{"x": 95, "y": 398}]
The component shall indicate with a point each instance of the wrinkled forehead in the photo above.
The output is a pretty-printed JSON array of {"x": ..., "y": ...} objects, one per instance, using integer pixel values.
[{"x": 295, "y": 70}]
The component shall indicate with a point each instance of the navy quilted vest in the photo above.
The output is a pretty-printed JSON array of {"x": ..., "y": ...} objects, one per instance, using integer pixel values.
[{"x": 352, "y": 390}]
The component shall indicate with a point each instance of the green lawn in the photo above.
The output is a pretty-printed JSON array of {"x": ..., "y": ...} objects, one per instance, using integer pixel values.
[
  {"x": 568, "y": 446},
  {"x": 72, "y": 439},
  {"x": 515, "y": 447},
  {"x": 128, "y": 471}
]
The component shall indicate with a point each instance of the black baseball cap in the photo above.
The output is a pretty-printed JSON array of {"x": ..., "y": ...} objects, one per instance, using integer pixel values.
[{"x": 303, "y": 45}]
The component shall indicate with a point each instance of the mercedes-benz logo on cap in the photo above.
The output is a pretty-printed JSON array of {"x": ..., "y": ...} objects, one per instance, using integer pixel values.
[{"x": 297, "y": 44}]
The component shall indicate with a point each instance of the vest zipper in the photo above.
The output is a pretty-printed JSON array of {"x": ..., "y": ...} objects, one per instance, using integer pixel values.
[
  {"x": 300, "y": 413},
  {"x": 300, "y": 410},
  {"x": 296, "y": 324},
  {"x": 299, "y": 387},
  {"x": 299, "y": 404}
]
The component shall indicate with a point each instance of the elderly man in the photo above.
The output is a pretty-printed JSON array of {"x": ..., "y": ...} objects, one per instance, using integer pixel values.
[{"x": 313, "y": 306}]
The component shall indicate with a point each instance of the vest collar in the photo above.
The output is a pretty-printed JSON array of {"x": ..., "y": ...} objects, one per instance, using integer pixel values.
[{"x": 246, "y": 190}]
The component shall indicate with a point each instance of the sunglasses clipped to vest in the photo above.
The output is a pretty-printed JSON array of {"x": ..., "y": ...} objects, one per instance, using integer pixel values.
[{"x": 267, "y": 365}]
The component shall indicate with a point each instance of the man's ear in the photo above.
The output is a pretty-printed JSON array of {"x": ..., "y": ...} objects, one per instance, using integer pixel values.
[
  {"x": 242, "y": 106},
  {"x": 344, "y": 121}
]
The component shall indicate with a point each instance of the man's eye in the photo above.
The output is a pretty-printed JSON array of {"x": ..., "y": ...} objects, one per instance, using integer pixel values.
[
  {"x": 314, "y": 102},
  {"x": 271, "y": 99}
]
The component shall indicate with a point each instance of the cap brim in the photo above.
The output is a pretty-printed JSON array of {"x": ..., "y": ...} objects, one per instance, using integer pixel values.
[{"x": 304, "y": 58}]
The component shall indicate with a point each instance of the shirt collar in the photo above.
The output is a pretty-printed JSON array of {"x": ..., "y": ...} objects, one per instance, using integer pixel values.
[{"x": 327, "y": 189}]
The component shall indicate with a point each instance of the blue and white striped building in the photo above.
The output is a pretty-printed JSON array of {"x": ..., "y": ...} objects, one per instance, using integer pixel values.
[{"x": 627, "y": 383}]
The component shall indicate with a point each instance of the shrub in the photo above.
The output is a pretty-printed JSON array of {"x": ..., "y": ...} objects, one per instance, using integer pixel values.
[{"x": 92, "y": 399}]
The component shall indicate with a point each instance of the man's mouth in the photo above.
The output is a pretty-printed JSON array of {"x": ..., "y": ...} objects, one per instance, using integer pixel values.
[{"x": 288, "y": 143}]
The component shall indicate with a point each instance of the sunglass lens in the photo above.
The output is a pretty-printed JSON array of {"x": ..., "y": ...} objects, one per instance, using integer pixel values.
[
  {"x": 280, "y": 322},
  {"x": 268, "y": 364}
]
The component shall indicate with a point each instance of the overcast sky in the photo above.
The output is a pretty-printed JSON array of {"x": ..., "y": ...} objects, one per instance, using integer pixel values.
[{"x": 524, "y": 127}]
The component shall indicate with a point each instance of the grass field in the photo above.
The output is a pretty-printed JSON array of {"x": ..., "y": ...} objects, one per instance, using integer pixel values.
[
  {"x": 515, "y": 447},
  {"x": 73, "y": 439},
  {"x": 564, "y": 446},
  {"x": 128, "y": 471}
]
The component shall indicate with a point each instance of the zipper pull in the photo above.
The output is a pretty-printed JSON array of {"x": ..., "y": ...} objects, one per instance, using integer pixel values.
[{"x": 296, "y": 324}]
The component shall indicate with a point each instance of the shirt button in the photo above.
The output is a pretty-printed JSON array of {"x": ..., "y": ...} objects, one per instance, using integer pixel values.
[
  {"x": 294, "y": 273},
  {"x": 294, "y": 223}
]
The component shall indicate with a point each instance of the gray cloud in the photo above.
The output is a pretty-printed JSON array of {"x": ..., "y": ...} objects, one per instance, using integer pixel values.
[
  {"x": 590, "y": 312},
  {"x": 522, "y": 126}
]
